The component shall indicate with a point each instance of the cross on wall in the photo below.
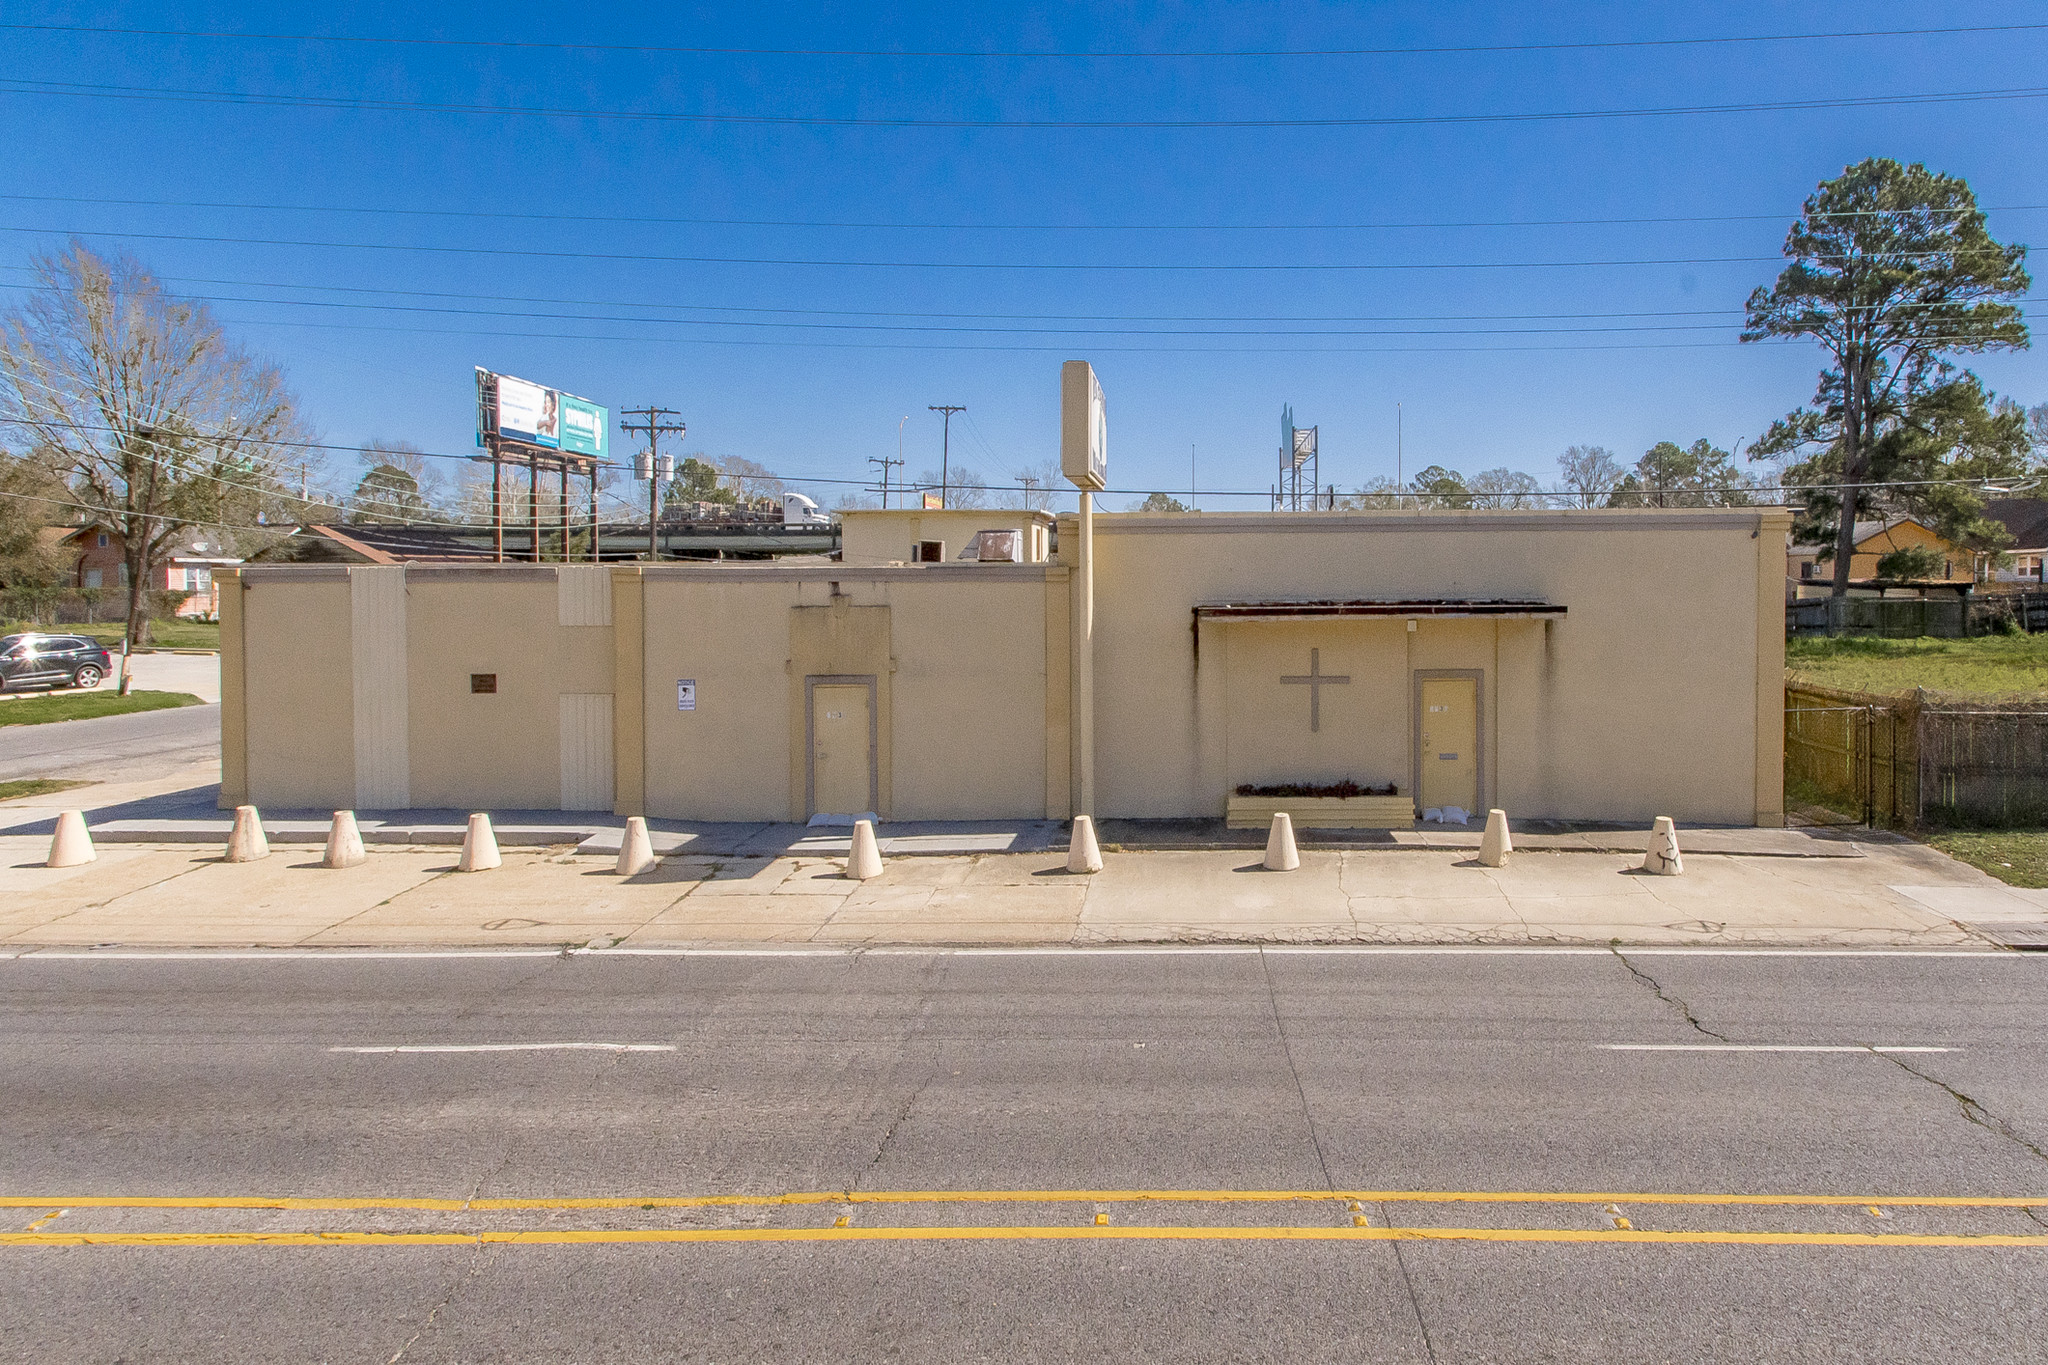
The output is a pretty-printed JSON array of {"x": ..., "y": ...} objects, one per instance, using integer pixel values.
[{"x": 1315, "y": 680}]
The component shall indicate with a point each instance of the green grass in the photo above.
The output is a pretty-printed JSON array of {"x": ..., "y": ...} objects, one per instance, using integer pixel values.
[
  {"x": 2015, "y": 857},
  {"x": 36, "y": 786},
  {"x": 86, "y": 705},
  {"x": 162, "y": 634},
  {"x": 1988, "y": 666}
]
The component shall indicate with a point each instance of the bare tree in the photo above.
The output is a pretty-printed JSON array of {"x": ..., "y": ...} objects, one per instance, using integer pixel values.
[
  {"x": 1589, "y": 474},
  {"x": 1505, "y": 488},
  {"x": 142, "y": 404}
]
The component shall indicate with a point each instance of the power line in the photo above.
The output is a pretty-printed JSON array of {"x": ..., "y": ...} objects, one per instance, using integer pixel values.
[
  {"x": 1069, "y": 55},
  {"x": 183, "y": 95},
  {"x": 1058, "y": 266},
  {"x": 997, "y": 317},
  {"x": 966, "y": 227}
]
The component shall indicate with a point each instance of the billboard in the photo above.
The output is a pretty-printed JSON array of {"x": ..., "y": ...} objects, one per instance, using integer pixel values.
[
  {"x": 520, "y": 410},
  {"x": 1084, "y": 427},
  {"x": 583, "y": 426}
]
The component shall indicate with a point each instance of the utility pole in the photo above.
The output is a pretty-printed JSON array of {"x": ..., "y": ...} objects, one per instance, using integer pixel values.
[
  {"x": 885, "y": 462},
  {"x": 946, "y": 450},
  {"x": 655, "y": 467},
  {"x": 899, "y": 458}
]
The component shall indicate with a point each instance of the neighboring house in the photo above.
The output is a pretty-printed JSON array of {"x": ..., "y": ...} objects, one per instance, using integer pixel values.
[
  {"x": 102, "y": 563},
  {"x": 2026, "y": 520},
  {"x": 1807, "y": 575}
]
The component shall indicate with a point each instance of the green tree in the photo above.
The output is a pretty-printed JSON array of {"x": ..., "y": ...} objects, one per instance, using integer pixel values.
[
  {"x": 1915, "y": 563},
  {"x": 1158, "y": 502},
  {"x": 388, "y": 493},
  {"x": 1440, "y": 487},
  {"x": 1893, "y": 272},
  {"x": 1671, "y": 475}
]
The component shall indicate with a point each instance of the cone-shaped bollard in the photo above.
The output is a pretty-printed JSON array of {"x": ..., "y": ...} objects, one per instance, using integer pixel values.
[
  {"x": 479, "y": 846},
  {"x": 344, "y": 842},
  {"x": 1281, "y": 855},
  {"x": 246, "y": 842},
  {"x": 864, "y": 859},
  {"x": 1496, "y": 843},
  {"x": 636, "y": 850},
  {"x": 1662, "y": 857},
  {"x": 72, "y": 846},
  {"x": 1083, "y": 853}
]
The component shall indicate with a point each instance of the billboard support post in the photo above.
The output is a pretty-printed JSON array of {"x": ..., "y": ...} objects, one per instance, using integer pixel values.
[
  {"x": 595, "y": 557},
  {"x": 533, "y": 508},
  {"x": 497, "y": 502},
  {"x": 565, "y": 511}
]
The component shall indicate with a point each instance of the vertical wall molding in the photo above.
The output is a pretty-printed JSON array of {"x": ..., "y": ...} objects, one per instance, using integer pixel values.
[
  {"x": 586, "y": 750},
  {"x": 378, "y": 664},
  {"x": 583, "y": 595}
]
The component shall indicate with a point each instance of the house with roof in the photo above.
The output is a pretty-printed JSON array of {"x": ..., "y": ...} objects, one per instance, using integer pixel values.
[
  {"x": 1808, "y": 575},
  {"x": 2026, "y": 559},
  {"x": 102, "y": 562}
]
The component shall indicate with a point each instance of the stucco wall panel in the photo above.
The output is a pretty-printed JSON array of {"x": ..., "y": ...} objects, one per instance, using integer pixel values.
[{"x": 298, "y": 696}]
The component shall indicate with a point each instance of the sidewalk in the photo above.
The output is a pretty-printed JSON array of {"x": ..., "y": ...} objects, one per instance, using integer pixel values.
[{"x": 1801, "y": 891}]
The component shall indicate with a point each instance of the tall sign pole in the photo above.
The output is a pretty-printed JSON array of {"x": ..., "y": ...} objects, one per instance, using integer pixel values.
[
  {"x": 655, "y": 467},
  {"x": 946, "y": 449}
]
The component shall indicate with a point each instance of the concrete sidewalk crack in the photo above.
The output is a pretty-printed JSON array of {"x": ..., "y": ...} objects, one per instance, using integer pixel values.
[
  {"x": 1971, "y": 1109},
  {"x": 1684, "y": 1009}
]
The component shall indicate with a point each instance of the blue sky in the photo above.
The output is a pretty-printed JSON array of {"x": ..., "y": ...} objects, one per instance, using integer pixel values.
[{"x": 1493, "y": 358}]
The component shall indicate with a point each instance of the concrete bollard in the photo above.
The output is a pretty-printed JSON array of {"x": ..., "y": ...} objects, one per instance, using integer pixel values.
[
  {"x": 479, "y": 846},
  {"x": 71, "y": 846},
  {"x": 344, "y": 842},
  {"x": 1662, "y": 857},
  {"x": 864, "y": 857},
  {"x": 1083, "y": 853},
  {"x": 636, "y": 850},
  {"x": 1281, "y": 855},
  {"x": 1496, "y": 843},
  {"x": 246, "y": 842}
]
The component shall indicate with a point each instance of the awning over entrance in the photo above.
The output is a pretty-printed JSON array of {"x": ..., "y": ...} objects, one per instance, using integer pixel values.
[{"x": 1511, "y": 608}]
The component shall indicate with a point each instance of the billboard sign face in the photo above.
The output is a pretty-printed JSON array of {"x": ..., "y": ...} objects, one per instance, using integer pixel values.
[
  {"x": 529, "y": 413},
  {"x": 583, "y": 426},
  {"x": 1084, "y": 427}
]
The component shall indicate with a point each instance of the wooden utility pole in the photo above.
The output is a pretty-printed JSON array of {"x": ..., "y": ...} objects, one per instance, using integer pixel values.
[
  {"x": 656, "y": 467},
  {"x": 946, "y": 449}
]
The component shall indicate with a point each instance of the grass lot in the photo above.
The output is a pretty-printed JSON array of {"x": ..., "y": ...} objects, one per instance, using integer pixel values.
[
  {"x": 86, "y": 705},
  {"x": 1990, "y": 665},
  {"x": 162, "y": 634},
  {"x": 2015, "y": 857},
  {"x": 36, "y": 786}
]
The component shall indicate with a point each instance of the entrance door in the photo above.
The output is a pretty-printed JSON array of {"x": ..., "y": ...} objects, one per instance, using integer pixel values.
[
  {"x": 842, "y": 748},
  {"x": 1449, "y": 742}
]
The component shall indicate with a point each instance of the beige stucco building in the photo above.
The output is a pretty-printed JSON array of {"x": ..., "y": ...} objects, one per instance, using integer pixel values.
[{"x": 1597, "y": 664}]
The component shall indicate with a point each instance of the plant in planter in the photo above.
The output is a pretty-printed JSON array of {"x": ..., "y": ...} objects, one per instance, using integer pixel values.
[{"x": 1325, "y": 805}]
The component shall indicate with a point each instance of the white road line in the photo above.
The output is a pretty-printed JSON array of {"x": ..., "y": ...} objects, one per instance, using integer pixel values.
[
  {"x": 510, "y": 1047},
  {"x": 1759, "y": 1047}
]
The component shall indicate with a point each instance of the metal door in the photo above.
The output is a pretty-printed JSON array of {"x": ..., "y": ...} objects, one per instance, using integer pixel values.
[
  {"x": 842, "y": 778},
  {"x": 1449, "y": 742}
]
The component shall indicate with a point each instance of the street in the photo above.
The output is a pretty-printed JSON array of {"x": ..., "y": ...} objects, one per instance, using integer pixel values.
[
  {"x": 138, "y": 747},
  {"x": 1613, "y": 1084}
]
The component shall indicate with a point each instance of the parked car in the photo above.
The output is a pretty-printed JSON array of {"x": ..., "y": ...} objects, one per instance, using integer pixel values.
[{"x": 51, "y": 661}]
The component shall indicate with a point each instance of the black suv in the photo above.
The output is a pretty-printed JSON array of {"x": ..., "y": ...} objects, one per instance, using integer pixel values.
[{"x": 51, "y": 661}]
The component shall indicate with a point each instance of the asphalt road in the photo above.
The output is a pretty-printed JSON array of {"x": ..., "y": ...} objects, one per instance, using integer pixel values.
[
  {"x": 859, "y": 1075},
  {"x": 137, "y": 747}
]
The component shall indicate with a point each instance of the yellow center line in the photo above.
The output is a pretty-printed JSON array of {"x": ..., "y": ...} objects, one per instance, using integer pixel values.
[
  {"x": 799, "y": 1198},
  {"x": 1087, "y": 1232}
]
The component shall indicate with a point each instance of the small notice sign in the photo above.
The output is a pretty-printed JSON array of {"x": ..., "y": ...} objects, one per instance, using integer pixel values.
[{"x": 686, "y": 694}]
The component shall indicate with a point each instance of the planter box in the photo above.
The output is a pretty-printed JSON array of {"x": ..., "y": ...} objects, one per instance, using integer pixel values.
[{"x": 1322, "y": 812}]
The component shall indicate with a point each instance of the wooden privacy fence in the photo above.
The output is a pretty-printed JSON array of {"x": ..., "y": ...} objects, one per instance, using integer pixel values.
[
  {"x": 1916, "y": 759},
  {"x": 1888, "y": 617}
]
